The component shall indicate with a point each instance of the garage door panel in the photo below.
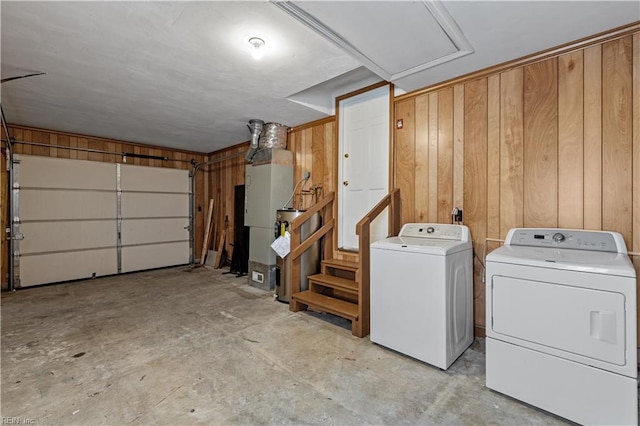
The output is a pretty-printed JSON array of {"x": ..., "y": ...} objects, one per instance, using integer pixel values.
[
  {"x": 46, "y": 172},
  {"x": 137, "y": 258},
  {"x": 69, "y": 212},
  {"x": 66, "y": 205},
  {"x": 144, "y": 231},
  {"x": 153, "y": 179},
  {"x": 63, "y": 236},
  {"x": 145, "y": 205},
  {"x": 55, "y": 267}
]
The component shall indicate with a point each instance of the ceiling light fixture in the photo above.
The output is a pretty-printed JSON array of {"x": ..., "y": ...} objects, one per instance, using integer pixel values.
[{"x": 258, "y": 47}]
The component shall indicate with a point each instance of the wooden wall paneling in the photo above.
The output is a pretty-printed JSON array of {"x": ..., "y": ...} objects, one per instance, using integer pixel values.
[
  {"x": 98, "y": 145},
  {"x": 17, "y": 135},
  {"x": 84, "y": 144},
  {"x": 329, "y": 155},
  {"x": 511, "y": 150},
  {"x": 227, "y": 220},
  {"x": 445, "y": 155},
  {"x": 201, "y": 206},
  {"x": 136, "y": 161},
  {"x": 458, "y": 146},
  {"x": 42, "y": 138},
  {"x": 62, "y": 140},
  {"x": 475, "y": 177},
  {"x": 295, "y": 145},
  {"x": 228, "y": 224},
  {"x": 433, "y": 157},
  {"x": 53, "y": 141},
  {"x": 306, "y": 166},
  {"x": 317, "y": 170},
  {"x": 25, "y": 149},
  {"x": 616, "y": 137},
  {"x": 421, "y": 187},
  {"x": 636, "y": 164},
  {"x": 73, "y": 143},
  {"x": 144, "y": 161},
  {"x": 571, "y": 140},
  {"x": 540, "y": 161},
  {"x": 593, "y": 138},
  {"x": 405, "y": 169},
  {"x": 112, "y": 147},
  {"x": 493, "y": 157}
]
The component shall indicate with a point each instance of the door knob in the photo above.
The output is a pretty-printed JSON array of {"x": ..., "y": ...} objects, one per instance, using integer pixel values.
[{"x": 345, "y": 183}]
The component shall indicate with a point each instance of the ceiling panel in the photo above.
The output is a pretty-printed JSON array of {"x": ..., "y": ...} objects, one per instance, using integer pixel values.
[{"x": 389, "y": 21}]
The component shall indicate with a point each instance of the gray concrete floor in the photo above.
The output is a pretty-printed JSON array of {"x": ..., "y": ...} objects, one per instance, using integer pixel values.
[{"x": 188, "y": 346}]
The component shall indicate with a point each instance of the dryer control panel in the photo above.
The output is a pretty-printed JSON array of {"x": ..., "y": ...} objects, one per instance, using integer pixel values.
[
  {"x": 435, "y": 230},
  {"x": 575, "y": 239}
]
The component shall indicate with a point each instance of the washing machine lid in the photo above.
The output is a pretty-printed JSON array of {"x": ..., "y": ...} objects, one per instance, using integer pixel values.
[
  {"x": 431, "y": 246},
  {"x": 596, "y": 262}
]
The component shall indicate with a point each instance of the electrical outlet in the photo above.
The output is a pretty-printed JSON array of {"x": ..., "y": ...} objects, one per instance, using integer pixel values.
[
  {"x": 458, "y": 216},
  {"x": 257, "y": 277}
]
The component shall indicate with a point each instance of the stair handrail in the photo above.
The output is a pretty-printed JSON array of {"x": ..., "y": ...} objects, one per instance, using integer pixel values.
[
  {"x": 298, "y": 247},
  {"x": 363, "y": 230}
]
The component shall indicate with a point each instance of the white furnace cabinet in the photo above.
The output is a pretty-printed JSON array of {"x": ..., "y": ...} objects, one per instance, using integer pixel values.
[{"x": 268, "y": 185}]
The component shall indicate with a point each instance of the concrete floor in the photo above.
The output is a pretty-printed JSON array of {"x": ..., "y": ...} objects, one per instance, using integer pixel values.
[{"x": 188, "y": 346}]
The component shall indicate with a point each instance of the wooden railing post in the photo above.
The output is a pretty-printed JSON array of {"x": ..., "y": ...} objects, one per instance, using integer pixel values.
[{"x": 363, "y": 230}]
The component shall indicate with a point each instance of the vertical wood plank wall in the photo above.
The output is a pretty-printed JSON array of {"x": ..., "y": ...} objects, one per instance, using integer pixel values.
[
  {"x": 313, "y": 146},
  {"x": 49, "y": 137},
  {"x": 223, "y": 177},
  {"x": 555, "y": 143}
]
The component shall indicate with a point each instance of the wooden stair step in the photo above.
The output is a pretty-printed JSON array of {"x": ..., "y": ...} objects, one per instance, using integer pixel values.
[
  {"x": 345, "y": 265},
  {"x": 343, "y": 284},
  {"x": 327, "y": 304}
]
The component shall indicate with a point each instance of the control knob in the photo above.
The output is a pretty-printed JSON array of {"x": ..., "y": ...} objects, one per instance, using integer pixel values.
[{"x": 558, "y": 237}]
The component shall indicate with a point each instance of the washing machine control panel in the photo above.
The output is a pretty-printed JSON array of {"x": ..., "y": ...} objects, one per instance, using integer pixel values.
[
  {"x": 567, "y": 238},
  {"x": 435, "y": 230}
]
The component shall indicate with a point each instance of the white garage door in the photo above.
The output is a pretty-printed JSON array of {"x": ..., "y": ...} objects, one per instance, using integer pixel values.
[{"x": 81, "y": 219}]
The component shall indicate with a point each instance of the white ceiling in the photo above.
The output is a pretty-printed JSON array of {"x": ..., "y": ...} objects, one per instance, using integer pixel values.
[{"x": 180, "y": 74}]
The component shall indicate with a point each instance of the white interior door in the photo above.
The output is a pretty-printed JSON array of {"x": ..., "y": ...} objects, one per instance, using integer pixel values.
[{"x": 363, "y": 163}]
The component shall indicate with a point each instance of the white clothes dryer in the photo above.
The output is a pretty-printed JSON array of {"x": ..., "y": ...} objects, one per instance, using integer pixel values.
[
  {"x": 561, "y": 324},
  {"x": 422, "y": 292}
]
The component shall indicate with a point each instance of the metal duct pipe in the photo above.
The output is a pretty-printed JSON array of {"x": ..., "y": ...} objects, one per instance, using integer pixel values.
[{"x": 255, "y": 127}]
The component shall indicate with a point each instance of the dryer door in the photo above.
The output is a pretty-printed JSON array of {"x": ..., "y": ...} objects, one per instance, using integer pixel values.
[{"x": 560, "y": 319}]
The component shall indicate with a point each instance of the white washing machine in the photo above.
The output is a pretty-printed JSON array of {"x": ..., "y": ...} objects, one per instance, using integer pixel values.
[
  {"x": 561, "y": 324},
  {"x": 422, "y": 292}
]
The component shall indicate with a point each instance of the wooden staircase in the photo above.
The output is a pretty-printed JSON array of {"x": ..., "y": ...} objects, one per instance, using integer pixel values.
[
  {"x": 342, "y": 286},
  {"x": 335, "y": 291}
]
